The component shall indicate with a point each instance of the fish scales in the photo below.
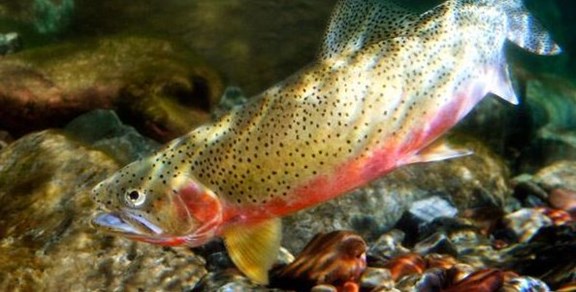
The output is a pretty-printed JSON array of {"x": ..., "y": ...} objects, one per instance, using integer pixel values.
[
  {"x": 385, "y": 85},
  {"x": 323, "y": 117}
]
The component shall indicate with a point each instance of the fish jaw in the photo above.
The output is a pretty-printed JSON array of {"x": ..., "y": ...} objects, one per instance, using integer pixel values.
[
  {"x": 145, "y": 231},
  {"x": 134, "y": 228}
]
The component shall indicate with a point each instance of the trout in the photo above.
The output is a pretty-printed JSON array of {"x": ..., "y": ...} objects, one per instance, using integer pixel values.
[{"x": 386, "y": 84}]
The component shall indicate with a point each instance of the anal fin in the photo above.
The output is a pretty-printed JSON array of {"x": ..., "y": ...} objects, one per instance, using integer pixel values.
[
  {"x": 254, "y": 247},
  {"x": 437, "y": 151},
  {"x": 503, "y": 86}
]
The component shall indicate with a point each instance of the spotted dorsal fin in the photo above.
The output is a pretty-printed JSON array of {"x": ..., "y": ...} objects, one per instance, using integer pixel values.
[{"x": 359, "y": 23}]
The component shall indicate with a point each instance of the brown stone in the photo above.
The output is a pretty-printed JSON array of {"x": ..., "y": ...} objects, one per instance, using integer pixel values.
[{"x": 157, "y": 85}]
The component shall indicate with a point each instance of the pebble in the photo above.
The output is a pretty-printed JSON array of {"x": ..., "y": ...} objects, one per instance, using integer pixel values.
[
  {"x": 522, "y": 284},
  {"x": 436, "y": 243},
  {"x": 334, "y": 258},
  {"x": 405, "y": 265},
  {"x": 563, "y": 199},
  {"x": 428, "y": 209},
  {"x": 526, "y": 222},
  {"x": 10, "y": 43},
  {"x": 323, "y": 288},
  {"x": 388, "y": 245},
  {"x": 376, "y": 278}
]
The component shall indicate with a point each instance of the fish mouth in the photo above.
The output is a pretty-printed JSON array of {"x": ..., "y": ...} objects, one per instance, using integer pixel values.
[{"x": 126, "y": 224}]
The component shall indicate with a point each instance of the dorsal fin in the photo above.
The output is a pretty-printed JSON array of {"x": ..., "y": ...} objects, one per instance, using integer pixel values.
[{"x": 358, "y": 23}]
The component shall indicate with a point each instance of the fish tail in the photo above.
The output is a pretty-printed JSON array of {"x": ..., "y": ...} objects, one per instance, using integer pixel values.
[{"x": 526, "y": 31}]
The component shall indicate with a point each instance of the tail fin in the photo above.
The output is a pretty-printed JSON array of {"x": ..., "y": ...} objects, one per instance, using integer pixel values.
[{"x": 526, "y": 31}]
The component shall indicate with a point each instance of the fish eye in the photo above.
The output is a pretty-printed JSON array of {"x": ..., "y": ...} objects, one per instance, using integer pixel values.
[{"x": 135, "y": 198}]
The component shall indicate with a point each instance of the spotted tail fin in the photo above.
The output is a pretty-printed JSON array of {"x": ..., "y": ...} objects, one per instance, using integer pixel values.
[{"x": 526, "y": 31}]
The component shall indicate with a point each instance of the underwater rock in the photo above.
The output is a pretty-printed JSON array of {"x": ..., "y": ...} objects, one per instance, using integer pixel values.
[
  {"x": 388, "y": 245},
  {"x": 376, "y": 279},
  {"x": 46, "y": 241},
  {"x": 549, "y": 255},
  {"x": 421, "y": 213},
  {"x": 10, "y": 43},
  {"x": 488, "y": 280},
  {"x": 477, "y": 267},
  {"x": 324, "y": 288},
  {"x": 526, "y": 222},
  {"x": 563, "y": 199},
  {"x": 5, "y": 139},
  {"x": 428, "y": 209},
  {"x": 431, "y": 280},
  {"x": 484, "y": 280},
  {"x": 486, "y": 219},
  {"x": 337, "y": 258},
  {"x": 232, "y": 97},
  {"x": 470, "y": 246},
  {"x": 459, "y": 272},
  {"x": 157, "y": 85},
  {"x": 227, "y": 280},
  {"x": 521, "y": 284},
  {"x": 452, "y": 241},
  {"x": 446, "y": 235},
  {"x": 436, "y": 243},
  {"x": 528, "y": 192},
  {"x": 559, "y": 179},
  {"x": 551, "y": 105},
  {"x": 478, "y": 180},
  {"x": 103, "y": 130},
  {"x": 553, "y": 185},
  {"x": 405, "y": 265},
  {"x": 558, "y": 217},
  {"x": 442, "y": 261},
  {"x": 543, "y": 259}
]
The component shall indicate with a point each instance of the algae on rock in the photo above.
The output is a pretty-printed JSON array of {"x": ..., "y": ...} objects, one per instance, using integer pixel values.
[
  {"x": 159, "y": 85},
  {"x": 46, "y": 241}
]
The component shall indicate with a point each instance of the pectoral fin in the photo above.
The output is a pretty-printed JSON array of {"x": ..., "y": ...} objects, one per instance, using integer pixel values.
[
  {"x": 254, "y": 248},
  {"x": 438, "y": 150}
]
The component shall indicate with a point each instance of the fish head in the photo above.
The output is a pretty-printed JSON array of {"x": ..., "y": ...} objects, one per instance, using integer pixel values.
[{"x": 146, "y": 201}]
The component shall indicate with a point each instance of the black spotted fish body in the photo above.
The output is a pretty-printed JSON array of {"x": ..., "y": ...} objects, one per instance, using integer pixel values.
[{"x": 386, "y": 84}]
